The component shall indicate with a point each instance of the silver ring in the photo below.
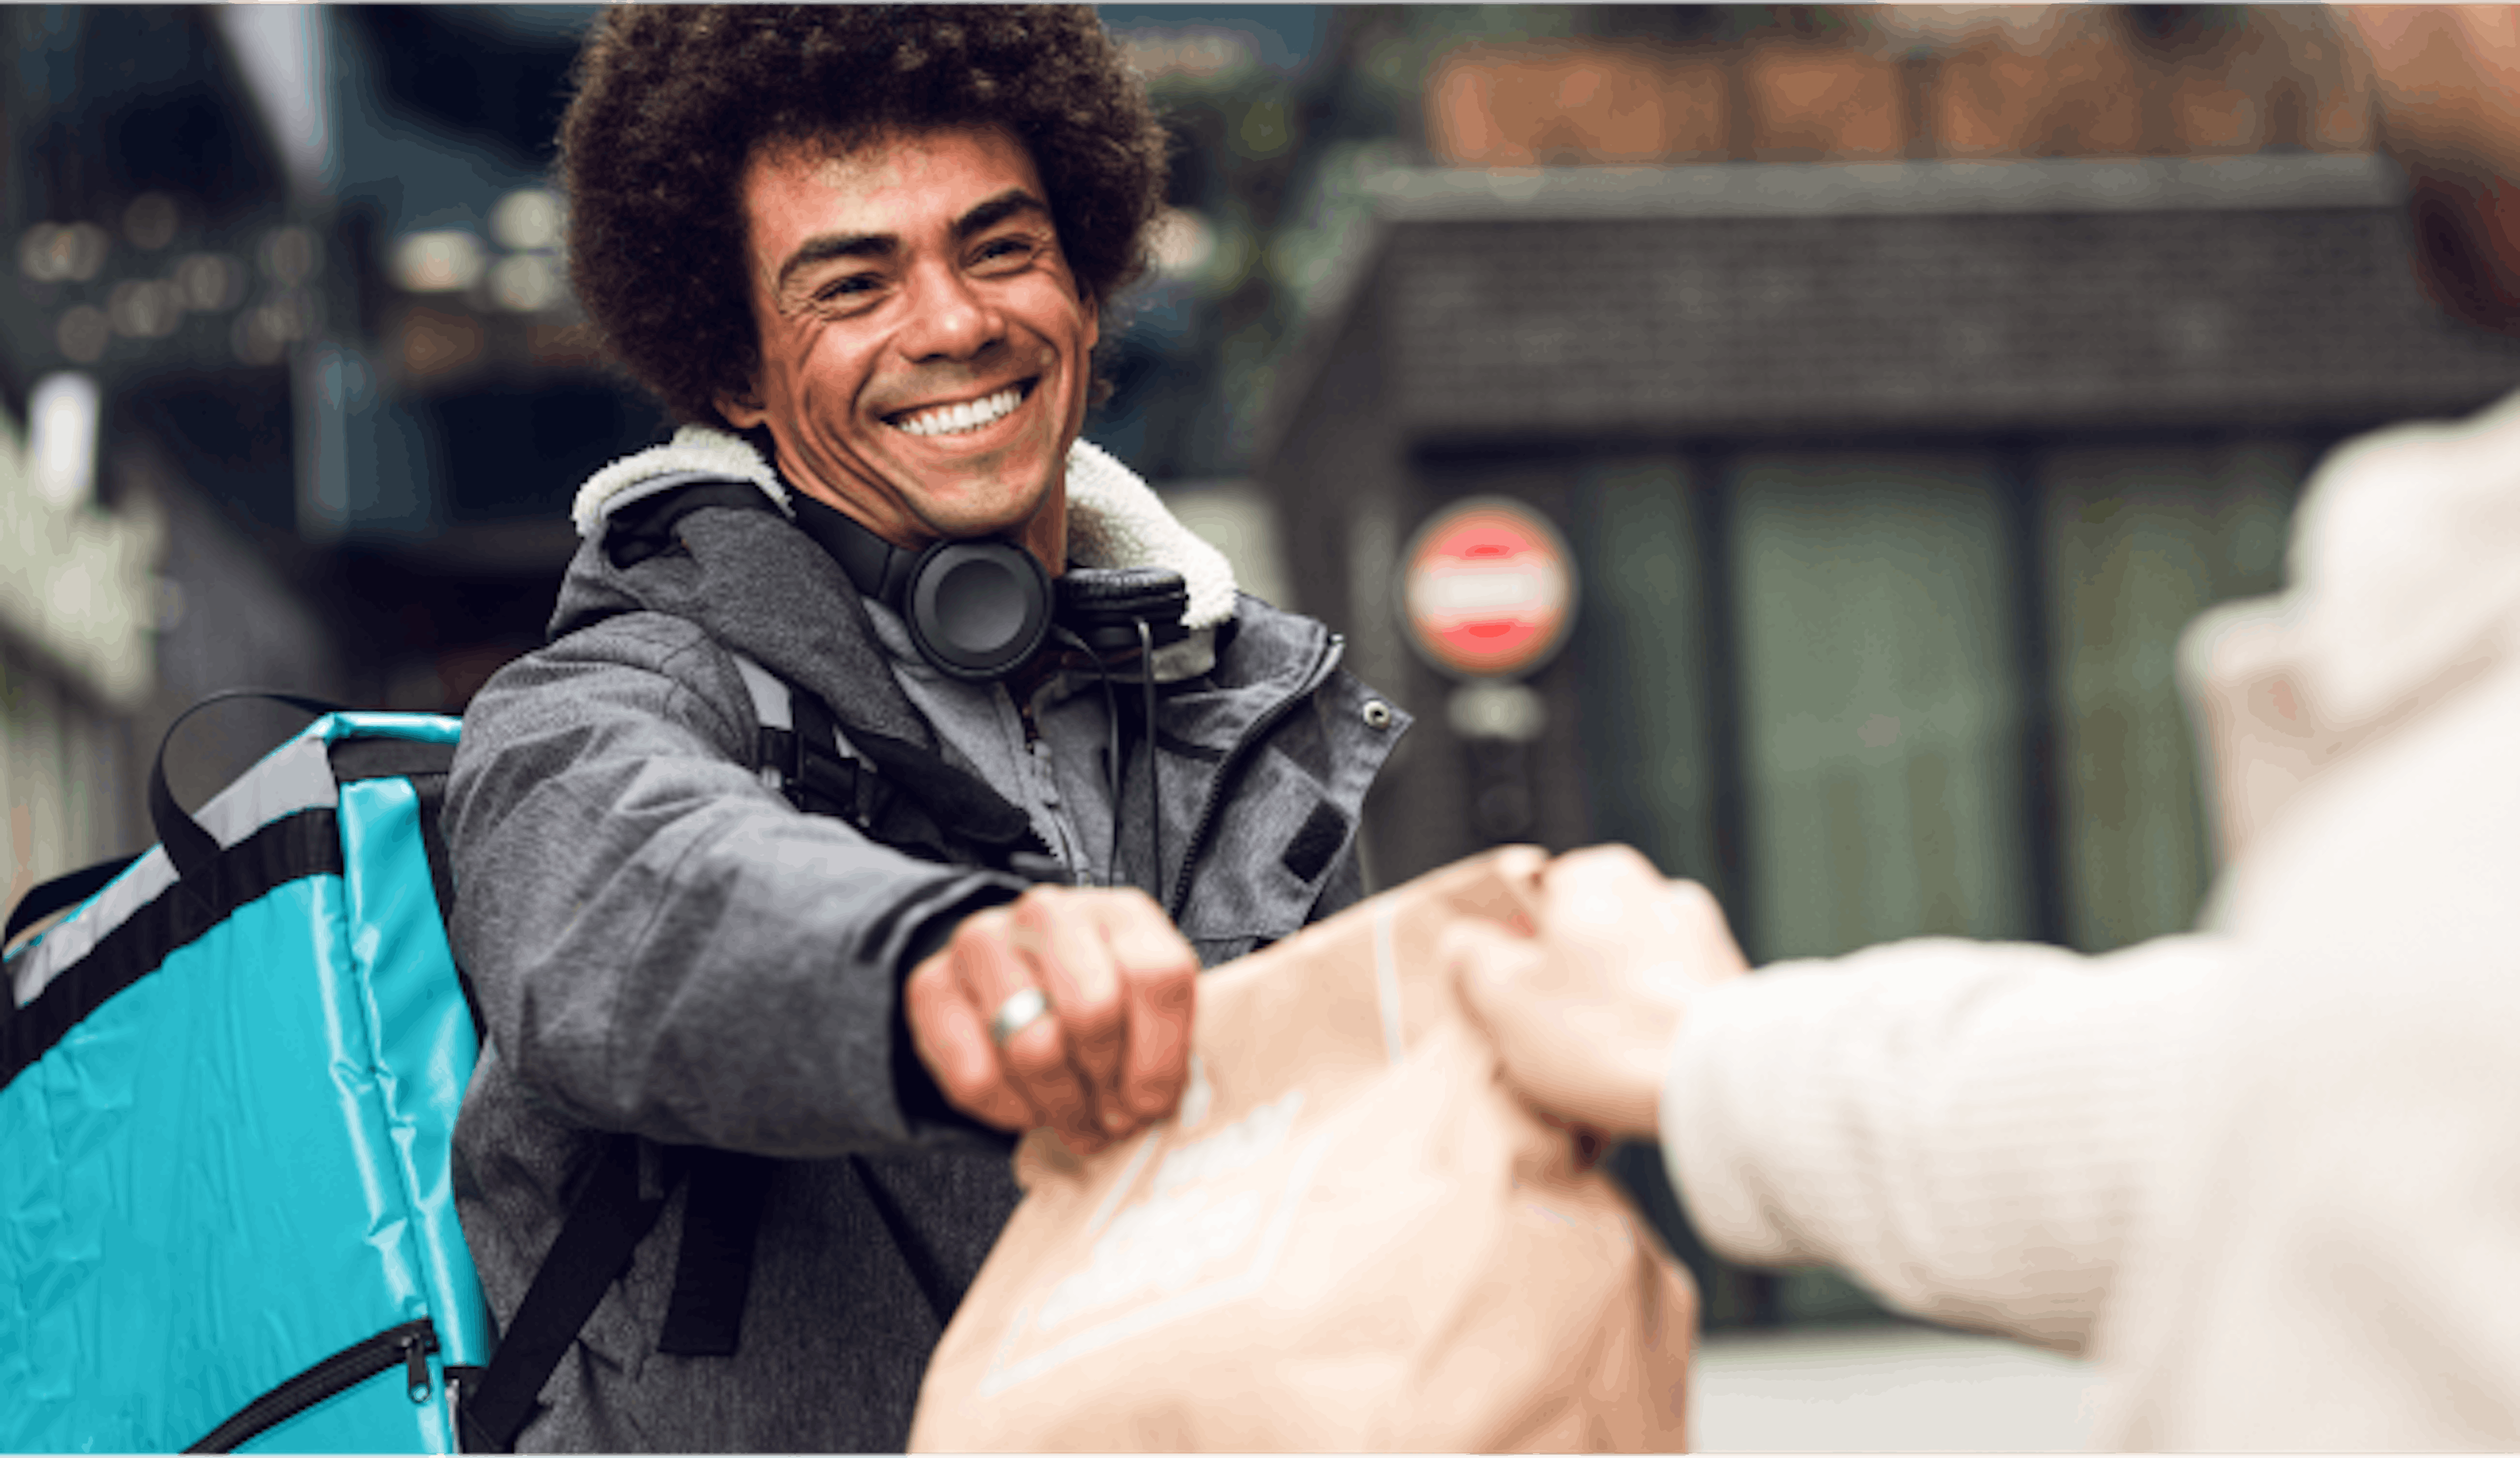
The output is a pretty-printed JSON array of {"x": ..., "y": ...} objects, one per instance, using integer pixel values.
[{"x": 1017, "y": 1014}]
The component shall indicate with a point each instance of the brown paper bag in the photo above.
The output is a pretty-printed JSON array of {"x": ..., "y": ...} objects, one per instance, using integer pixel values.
[{"x": 1350, "y": 1237}]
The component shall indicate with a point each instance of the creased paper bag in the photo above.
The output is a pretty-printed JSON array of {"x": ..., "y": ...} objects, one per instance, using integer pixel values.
[{"x": 1351, "y": 1236}]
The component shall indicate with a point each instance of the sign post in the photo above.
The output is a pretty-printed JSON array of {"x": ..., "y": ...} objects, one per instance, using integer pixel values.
[{"x": 1487, "y": 594}]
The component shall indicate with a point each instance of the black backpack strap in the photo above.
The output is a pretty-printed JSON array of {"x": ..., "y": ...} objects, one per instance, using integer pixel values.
[
  {"x": 914, "y": 1254},
  {"x": 639, "y": 530},
  {"x": 803, "y": 754},
  {"x": 189, "y": 847},
  {"x": 827, "y": 781},
  {"x": 425, "y": 763},
  {"x": 605, "y": 1223},
  {"x": 714, "y": 1273}
]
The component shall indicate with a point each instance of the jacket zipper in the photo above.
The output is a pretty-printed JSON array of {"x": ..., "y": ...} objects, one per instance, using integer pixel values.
[
  {"x": 1320, "y": 672},
  {"x": 406, "y": 1346}
]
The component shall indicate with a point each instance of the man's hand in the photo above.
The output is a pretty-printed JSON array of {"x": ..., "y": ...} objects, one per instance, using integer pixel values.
[
  {"x": 1584, "y": 1012},
  {"x": 1111, "y": 1054}
]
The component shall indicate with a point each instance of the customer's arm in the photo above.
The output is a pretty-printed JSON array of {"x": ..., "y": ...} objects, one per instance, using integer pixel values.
[
  {"x": 662, "y": 945},
  {"x": 1967, "y": 1128},
  {"x": 1964, "y": 1127}
]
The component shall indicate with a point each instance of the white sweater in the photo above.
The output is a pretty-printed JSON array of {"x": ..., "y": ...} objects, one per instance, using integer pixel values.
[{"x": 2268, "y": 1175}]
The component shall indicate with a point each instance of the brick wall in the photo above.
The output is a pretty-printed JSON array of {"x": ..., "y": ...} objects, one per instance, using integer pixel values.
[{"x": 1992, "y": 320}]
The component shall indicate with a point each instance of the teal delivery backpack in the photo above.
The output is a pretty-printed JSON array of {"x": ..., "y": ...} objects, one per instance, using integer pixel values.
[
  {"x": 228, "y": 1080},
  {"x": 227, "y": 1086}
]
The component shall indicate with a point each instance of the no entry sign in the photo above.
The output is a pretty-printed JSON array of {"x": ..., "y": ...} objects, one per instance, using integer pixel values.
[{"x": 1487, "y": 590}]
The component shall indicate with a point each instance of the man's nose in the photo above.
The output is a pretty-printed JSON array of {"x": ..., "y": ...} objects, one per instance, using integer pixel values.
[{"x": 949, "y": 318}]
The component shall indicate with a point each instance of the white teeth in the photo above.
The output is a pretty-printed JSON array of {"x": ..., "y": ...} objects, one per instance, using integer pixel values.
[{"x": 955, "y": 420}]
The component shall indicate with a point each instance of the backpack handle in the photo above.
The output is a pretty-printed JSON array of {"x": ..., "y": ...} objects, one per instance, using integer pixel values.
[{"x": 189, "y": 847}]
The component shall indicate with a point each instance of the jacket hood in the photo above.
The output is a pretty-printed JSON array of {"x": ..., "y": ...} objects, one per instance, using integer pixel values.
[{"x": 1114, "y": 518}]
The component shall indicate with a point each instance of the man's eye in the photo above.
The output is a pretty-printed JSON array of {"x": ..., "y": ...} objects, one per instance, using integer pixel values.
[
  {"x": 1003, "y": 250},
  {"x": 840, "y": 290}
]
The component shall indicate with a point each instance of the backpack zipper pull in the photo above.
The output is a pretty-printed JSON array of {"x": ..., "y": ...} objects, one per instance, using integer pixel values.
[{"x": 416, "y": 1366}]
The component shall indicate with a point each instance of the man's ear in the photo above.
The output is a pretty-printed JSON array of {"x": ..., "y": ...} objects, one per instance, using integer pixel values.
[
  {"x": 1093, "y": 317},
  {"x": 742, "y": 407}
]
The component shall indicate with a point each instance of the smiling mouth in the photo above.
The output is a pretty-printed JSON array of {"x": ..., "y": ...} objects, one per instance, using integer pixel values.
[{"x": 963, "y": 418}]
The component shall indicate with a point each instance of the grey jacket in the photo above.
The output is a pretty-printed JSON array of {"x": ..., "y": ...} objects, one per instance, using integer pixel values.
[{"x": 664, "y": 946}]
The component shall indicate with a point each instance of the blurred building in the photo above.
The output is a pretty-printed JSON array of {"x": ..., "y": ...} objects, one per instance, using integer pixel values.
[
  {"x": 1904, "y": 381},
  {"x": 154, "y": 270},
  {"x": 300, "y": 265},
  {"x": 1890, "y": 486}
]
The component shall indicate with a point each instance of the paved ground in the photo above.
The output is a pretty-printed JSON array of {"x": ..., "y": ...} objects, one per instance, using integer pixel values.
[{"x": 1885, "y": 1390}]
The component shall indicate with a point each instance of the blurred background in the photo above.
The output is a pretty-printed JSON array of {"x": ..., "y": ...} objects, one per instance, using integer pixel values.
[{"x": 1897, "y": 381}]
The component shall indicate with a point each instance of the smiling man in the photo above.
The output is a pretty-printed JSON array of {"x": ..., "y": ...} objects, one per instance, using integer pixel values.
[{"x": 1049, "y": 761}]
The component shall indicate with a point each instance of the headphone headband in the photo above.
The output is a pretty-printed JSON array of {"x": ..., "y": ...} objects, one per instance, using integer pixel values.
[
  {"x": 875, "y": 566},
  {"x": 976, "y": 610}
]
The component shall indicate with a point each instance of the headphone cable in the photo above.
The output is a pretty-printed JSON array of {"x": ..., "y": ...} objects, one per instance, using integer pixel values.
[
  {"x": 1113, "y": 762},
  {"x": 1111, "y": 752},
  {"x": 1154, "y": 785}
]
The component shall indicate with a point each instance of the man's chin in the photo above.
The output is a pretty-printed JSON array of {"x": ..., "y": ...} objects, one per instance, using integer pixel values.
[
  {"x": 1008, "y": 515},
  {"x": 994, "y": 496}
]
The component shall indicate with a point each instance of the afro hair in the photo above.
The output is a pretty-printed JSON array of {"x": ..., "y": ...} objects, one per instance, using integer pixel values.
[{"x": 673, "y": 102}]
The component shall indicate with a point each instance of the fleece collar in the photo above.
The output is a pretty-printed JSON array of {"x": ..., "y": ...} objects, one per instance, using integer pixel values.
[{"x": 1114, "y": 518}]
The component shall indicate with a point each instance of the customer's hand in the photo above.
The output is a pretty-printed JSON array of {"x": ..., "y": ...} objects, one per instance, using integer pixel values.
[
  {"x": 1108, "y": 1054},
  {"x": 1582, "y": 1012}
]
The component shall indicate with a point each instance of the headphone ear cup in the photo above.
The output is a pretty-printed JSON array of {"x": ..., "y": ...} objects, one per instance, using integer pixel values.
[
  {"x": 978, "y": 609},
  {"x": 1103, "y": 606}
]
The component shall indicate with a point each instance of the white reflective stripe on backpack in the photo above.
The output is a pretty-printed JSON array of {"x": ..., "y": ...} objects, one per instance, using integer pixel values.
[{"x": 774, "y": 708}]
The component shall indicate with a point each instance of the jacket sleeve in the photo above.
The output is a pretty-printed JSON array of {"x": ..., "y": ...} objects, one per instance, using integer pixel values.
[
  {"x": 660, "y": 942},
  {"x": 1966, "y": 1127}
]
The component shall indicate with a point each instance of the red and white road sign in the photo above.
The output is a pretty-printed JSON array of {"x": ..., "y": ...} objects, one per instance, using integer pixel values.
[{"x": 1487, "y": 590}]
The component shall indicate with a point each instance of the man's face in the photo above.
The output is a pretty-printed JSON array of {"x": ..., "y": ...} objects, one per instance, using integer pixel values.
[{"x": 925, "y": 351}]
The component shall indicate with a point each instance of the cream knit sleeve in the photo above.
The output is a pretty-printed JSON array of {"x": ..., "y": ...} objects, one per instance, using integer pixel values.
[{"x": 1966, "y": 1127}]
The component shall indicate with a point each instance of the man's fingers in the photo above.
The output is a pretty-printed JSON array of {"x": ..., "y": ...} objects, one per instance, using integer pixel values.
[
  {"x": 1031, "y": 1063},
  {"x": 1037, "y": 1064},
  {"x": 1159, "y": 986},
  {"x": 1159, "y": 980},
  {"x": 952, "y": 1041},
  {"x": 1065, "y": 937},
  {"x": 985, "y": 957},
  {"x": 1112, "y": 1050}
]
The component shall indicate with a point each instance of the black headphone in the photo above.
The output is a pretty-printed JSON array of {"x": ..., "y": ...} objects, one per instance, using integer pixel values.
[
  {"x": 976, "y": 610},
  {"x": 980, "y": 610}
]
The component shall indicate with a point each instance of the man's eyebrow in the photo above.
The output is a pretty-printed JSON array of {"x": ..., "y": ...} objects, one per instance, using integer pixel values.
[
  {"x": 824, "y": 248},
  {"x": 1006, "y": 205}
]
